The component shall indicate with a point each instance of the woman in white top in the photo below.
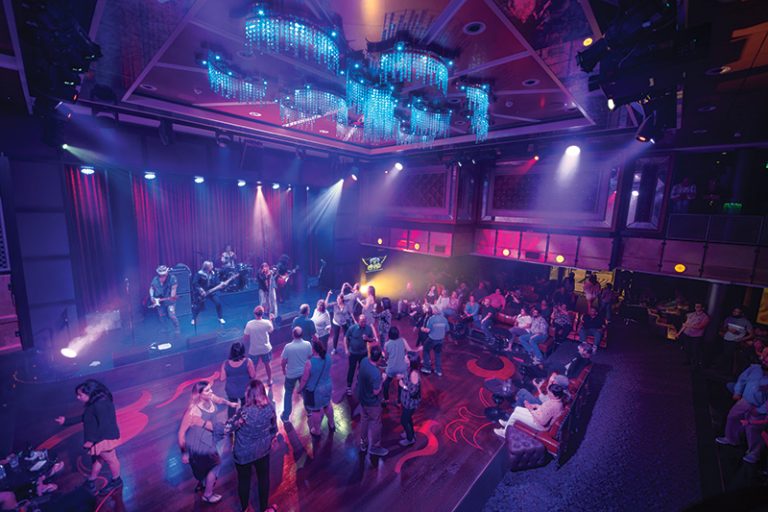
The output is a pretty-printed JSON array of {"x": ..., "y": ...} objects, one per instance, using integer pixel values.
[
  {"x": 369, "y": 308},
  {"x": 322, "y": 320}
]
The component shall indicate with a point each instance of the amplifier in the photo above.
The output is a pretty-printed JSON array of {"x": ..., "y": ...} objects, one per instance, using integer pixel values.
[
  {"x": 183, "y": 304},
  {"x": 183, "y": 276}
]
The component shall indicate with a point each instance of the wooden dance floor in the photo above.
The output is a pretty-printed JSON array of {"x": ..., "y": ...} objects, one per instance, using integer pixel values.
[{"x": 455, "y": 443}]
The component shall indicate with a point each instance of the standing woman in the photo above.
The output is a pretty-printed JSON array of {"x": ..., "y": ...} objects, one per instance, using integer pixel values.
[
  {"x": 431, "y": 295},
  {"x": 369, "y": 308},
  {"x": 322, "y": 319},
  {"x": 396, "y": 349},
  {"x": 316, "y": 387},
  {"x": 197, "y": 438},
  {"x": 255, "y": 427},
  {"x": 410, "y": 397},
  {"x": 100, "y": 432},
  {"x": 236, "y": 372},
  {"x": 341, "y": 321}
]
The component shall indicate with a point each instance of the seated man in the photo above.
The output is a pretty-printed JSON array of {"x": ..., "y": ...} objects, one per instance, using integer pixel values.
[
  {"x": 537, "y": 333},
  {"x": 497, "y": 299},
  {"x": 539, "y": 417},
  {"x": 592, "y": 325},
  {"x": 584, "y": 358},
  {"x": 406, "y": 301},
  {"x": 749, "y": 412},
  {"x": 562, "y": 322},
  {"x": 486, "y": 318}
]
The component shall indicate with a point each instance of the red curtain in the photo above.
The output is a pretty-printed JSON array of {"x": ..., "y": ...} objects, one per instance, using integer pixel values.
[
  {"x": 179, "y": 221},
  {"x": 93, "y": 249}
]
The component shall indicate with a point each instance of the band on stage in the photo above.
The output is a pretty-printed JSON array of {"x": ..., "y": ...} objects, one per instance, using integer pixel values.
[{"x": 207, "y": 284}]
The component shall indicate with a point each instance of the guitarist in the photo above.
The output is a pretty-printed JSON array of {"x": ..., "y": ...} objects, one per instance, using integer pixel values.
[
  {"x": 162, "y": 294},
  {"x": 205, "y": 285}
]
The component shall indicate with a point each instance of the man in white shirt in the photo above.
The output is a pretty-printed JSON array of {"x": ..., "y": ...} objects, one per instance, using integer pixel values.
[
  {"x": 295, "y": 357},
  {"x": 256, "y": 338}
]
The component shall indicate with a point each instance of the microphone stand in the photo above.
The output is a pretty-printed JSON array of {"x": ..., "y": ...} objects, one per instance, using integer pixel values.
[{"x": 130, "y": 311}]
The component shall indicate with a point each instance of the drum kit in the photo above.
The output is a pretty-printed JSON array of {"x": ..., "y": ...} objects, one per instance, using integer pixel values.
[{"x": 245, "y": 273}]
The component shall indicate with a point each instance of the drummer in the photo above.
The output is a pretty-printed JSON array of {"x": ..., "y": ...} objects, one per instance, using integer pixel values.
[{"x": 228, "y": 258}]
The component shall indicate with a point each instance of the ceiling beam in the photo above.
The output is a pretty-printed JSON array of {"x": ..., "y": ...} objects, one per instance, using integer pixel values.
[
  {"x": 167, "y": 44},
  {"x": 516, "y": 118},
  {"x": 535, "y": 56},
  {"x": 9, "y": 15},
  {"x": 442, "y": 20},
  {"x": 523, "y": 92}
]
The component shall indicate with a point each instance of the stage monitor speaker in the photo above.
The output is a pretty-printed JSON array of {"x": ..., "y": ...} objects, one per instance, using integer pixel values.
[
  {"x": 183, "y": 276},
  {"x": 183, "y": 304},
  {"x": 130, "y": 356},
  {"x": 201, "y": 340}
]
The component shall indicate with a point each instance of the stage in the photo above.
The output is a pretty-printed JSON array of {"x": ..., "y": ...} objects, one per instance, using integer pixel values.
[
  {"x": 456, "y": 462},
  {"x": 128, "y": 345}
]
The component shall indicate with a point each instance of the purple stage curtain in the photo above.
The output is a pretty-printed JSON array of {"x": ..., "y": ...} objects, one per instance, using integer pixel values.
[
  {"x": 179, "y": 221},
  {"x": 93, "y": 251}
]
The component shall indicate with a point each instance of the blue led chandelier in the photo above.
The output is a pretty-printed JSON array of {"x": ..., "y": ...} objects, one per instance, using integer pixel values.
[
  {"x": 232, "y": 85},
  {"x": 405, "y": 64},
  {"x": 308, "y": 104},
  {"x": 291, "y": 36},
  {"x": 428, "y": 124},
  {"x": 478, "y": 101}
]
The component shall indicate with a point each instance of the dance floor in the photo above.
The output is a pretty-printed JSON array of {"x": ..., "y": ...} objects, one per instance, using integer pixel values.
[{"x": 455, "y": 443}]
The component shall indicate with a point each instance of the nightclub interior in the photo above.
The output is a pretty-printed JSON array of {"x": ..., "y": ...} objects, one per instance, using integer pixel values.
[{"x": 434, "y": 255}]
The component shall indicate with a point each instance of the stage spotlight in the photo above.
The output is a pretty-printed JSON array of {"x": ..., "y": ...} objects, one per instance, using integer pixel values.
[
  {"x": 149, "y": 175},
  {"x": 588, "y": 41},
  {"x": 86, "y": 169},
  {"x": 635, "y": 193},
  {"x": 460, "y": 164},
  {"x": 65, "y": 146},
  {"x": 559, "y": 258},
  {"x": 506, "y": 252},
  {"x": 680, "y": 268},
  {"x": 68, "y": 353},
  {"x": 199, "y": 179},
  {"x": 573, "y": 151},
  {"x": 649, "y": 130},
  {"x": 398, "y": 166},
  {"x": 611, "y": 104},
  {"x": 275, "y": 186},
  {"x": 417, "y": 246},
  {"x": 536, "y": 157},
  {"x": 474, "y": 162},
  {"x": 379, "y": 241},
  {"x": 240, "y": 183},
  {"x": 354, "y": 177},
  {"x": 289, "y": 187}
]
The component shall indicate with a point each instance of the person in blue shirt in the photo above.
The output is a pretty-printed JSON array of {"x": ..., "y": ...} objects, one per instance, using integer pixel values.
[
  {"x": 436, "y": 329},
  {"x": 749, "y": 412}
]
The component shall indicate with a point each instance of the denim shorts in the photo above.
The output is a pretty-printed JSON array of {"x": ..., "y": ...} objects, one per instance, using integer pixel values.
[{"x": 266, "y": 358}]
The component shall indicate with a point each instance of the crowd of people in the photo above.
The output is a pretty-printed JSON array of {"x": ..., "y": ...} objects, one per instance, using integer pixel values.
[{"x": 359, "y": 326}]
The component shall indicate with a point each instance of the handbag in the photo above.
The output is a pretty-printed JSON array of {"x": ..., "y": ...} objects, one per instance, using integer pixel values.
[{"x": 309, "y": 394}]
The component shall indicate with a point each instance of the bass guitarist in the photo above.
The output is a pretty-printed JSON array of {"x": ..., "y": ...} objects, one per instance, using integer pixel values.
[
  {"x": 162, "y": 295},
  {"x": 205, "y": 286}
]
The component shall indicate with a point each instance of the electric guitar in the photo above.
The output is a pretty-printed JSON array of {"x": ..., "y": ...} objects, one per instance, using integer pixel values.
[
  {"x": 155, "y": 302},
  {"x": 283, "y": 279},
  {"x": 201, "y": 296},
  {"x": 314, "y": 281}
]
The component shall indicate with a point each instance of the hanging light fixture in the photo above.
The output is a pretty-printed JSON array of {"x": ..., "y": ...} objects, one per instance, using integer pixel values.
[
  {"x": 428, "y": 125},
  {"x": 478, "y": 102},
  {"x": 404, "y": 64},
  {"x": 309, "y": 104},
  {"x": 380, "y": 123},
  {"x": 292, "y": 37},
  {"x": 231, "y": 85}
]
